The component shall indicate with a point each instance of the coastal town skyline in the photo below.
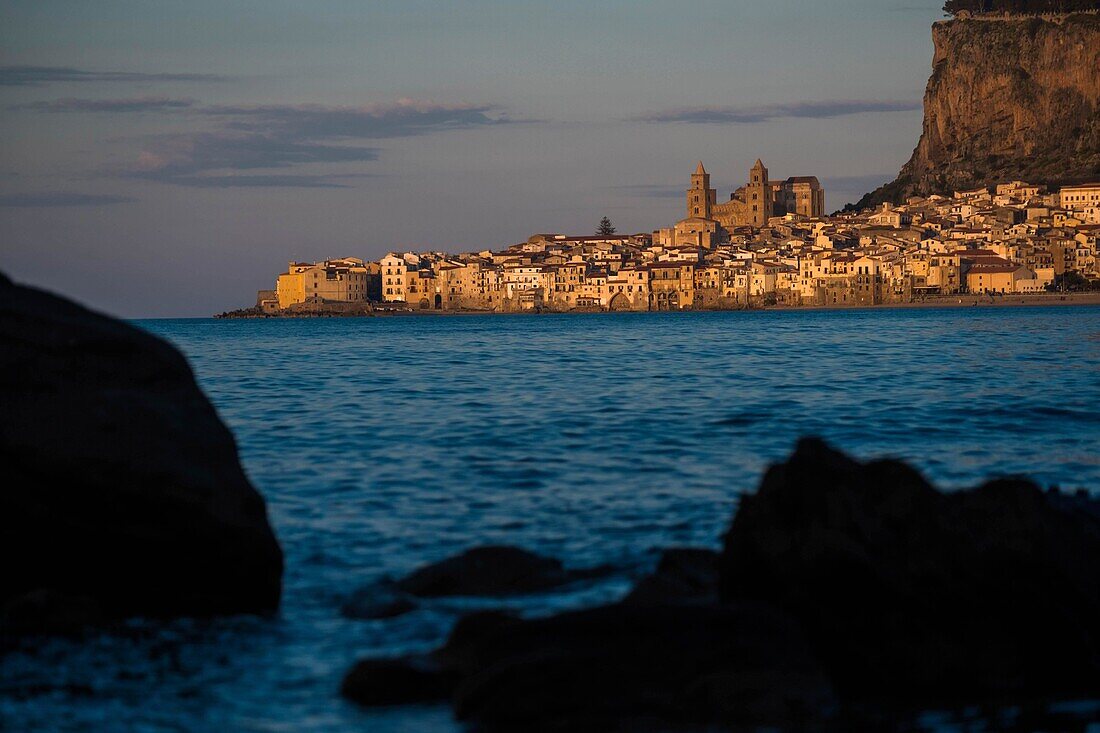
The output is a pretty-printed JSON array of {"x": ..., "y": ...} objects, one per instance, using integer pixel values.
[
  {"x": 151, "y": 150},
  {"x": 770, "y": 244}
]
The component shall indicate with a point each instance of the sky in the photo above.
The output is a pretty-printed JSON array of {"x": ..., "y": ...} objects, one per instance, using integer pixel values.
[{"x": 167, "y": 159}]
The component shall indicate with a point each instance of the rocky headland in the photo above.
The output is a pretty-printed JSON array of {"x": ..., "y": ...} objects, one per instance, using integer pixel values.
[{"x": 1011, "y": 97}]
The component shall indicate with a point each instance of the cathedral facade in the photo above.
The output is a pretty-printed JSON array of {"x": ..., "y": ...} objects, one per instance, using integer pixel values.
[{"x": 754, "y": 203}]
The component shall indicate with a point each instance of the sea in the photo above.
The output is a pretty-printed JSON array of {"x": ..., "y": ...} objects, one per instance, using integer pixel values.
[{"x": 384, "y": 443}]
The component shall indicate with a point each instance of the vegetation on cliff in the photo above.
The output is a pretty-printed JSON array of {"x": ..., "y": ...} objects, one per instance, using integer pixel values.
[{"x": 1018, "y": 6}]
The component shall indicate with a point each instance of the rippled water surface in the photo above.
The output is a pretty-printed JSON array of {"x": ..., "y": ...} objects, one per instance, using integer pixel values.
[{"x": 384, "y": 443}]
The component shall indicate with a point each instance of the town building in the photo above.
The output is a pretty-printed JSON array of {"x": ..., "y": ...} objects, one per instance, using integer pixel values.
[{"x": 346, "y": 280}]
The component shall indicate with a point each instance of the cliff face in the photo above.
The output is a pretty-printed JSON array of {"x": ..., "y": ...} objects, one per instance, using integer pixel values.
[{"x": 1015, "y": 98}]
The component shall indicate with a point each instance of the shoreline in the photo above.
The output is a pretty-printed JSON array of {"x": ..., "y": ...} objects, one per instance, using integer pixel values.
[
  {"x": 969, "y": 301},
  {"x": 955, "y": 301}
]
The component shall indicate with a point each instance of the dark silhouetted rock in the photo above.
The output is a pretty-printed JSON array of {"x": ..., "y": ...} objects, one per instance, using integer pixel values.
[
  {"x": 606, "y": 667},
  {"x": 462, "y": 652},
  {"x": 377, "y": 602},
  {"x": 487, "y": 571},
  {"x": 400, "y": 681},
  {"x": 683, "y": 575},
  {"x": 909, "y": 593},
  {"x": 427, "y": 677},
  {"x": 609, "y": 667},
  {"x": 122, "y": 487},
  {"x": 846, "y": 593}
]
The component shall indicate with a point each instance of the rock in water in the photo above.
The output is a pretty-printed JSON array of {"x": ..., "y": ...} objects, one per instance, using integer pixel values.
[
  {"x": 908, "y": 593},
  {"x": 122, "y": 487},
  {"x": 643, "y": 667},
  {"x": 619, "y": 667},
  {"x": 845, "y": 591},
  {"x": 486, "y": 571}
]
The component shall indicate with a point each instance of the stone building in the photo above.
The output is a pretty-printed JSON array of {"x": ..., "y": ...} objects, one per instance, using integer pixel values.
[
  {"x": 566, "y": 283},
  {"x": 671, "y": 286},
  {"x": 346, "y": 280},
  {"x": 700, "y": 197},
  {"x": 394, "y": 268},
  {"x": 722, "y": 287},
  {"x": 1079, "y": 198},
  {"x": 267, "y": 301},
  {"x": 801, "y": 195},
  {"x": 525, "y": 286},
  {"x": 627, "y": 290},
  {"x": 757, "y": 201},
  {"x": 996, "y": 278}
]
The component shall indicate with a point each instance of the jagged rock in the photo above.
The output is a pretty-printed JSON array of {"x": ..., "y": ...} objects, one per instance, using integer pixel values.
[
  {"x": 683, "y": 575},
  {"x": 377, "y": 601},
  {"x": 492, "y": 570},
  {"x": 1008, "y": 99},
  {"x": 122, "y": 487},
  {"x": 906, "y": 592}
]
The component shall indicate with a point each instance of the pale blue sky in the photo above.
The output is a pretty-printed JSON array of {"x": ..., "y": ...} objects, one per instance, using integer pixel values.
[{"x": 167, "y": 158}]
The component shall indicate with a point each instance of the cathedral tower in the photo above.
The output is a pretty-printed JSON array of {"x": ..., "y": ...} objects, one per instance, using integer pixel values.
[
  {"x": 700, "y": 197},
  {"x": 758, "y": 195}
]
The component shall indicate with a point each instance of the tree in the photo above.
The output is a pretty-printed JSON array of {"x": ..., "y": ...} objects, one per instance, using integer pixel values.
[
  {"x": 1075, "y": 281},
  {"x": 606, "y": 228}
]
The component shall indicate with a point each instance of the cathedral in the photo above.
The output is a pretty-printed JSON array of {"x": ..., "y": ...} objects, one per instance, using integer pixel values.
[{"x": 755, "y": 202}]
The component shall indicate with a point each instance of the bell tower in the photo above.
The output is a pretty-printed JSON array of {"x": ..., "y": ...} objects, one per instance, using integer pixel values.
[
  {"x": 758, "y": 195},
  {"x": 700, "y": 197}
]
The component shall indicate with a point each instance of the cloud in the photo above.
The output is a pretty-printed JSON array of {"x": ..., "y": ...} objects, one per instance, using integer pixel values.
[
  {"x": 59, "y": 198},
  {"x": 133, "y": 104},
  {"x": 405, "y": 118},
  {"x": 256, "y": 137},
  {"x": 24, "y": 76},
  {"x": 293, "y": 180},
  {"x": 749, "y": 115},
  {"x": 228, "y": 150}
]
